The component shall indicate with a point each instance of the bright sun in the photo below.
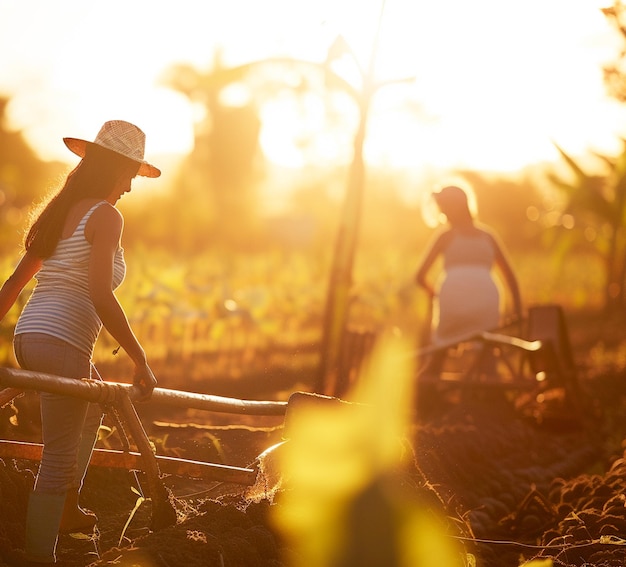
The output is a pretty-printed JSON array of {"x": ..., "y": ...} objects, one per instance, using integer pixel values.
[
  {"x": 495, "y": 82},
  {"x": 492, "y": 87}
]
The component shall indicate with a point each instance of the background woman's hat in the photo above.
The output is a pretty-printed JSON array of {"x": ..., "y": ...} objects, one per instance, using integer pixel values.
[
  {"x": 456, "y": 197},
  {"x": 451, "y": 194},
  {"x": 121, "y": 137}
]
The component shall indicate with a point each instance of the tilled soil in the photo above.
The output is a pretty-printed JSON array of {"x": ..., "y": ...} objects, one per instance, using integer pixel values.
[{"x": 542, "y": 481}]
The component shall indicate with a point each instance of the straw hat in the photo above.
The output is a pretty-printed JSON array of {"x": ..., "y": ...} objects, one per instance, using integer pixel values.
[{"x": 120, "y": 137}]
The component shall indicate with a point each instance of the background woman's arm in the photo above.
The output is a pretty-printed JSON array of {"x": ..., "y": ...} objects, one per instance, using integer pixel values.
[
  {"x": 509, "y": 276},
  {"x": 435, "y": 249}
]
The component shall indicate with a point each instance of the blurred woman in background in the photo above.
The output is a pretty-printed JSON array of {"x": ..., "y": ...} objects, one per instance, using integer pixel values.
[{"x": 465, "y": 298}]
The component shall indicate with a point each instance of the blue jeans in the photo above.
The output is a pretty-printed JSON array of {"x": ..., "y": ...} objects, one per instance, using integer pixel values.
[{"x": 69, "y": 425}]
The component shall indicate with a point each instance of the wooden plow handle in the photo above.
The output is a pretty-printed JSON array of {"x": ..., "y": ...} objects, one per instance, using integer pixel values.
[
  {"x": 100, "y": 391},
  {"x": 120, "y": 396}
]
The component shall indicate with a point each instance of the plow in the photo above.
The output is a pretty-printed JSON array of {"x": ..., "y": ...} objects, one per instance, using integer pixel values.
[
  {"x": 531, "y": 364},
  {"x": 117, "y": 399}
]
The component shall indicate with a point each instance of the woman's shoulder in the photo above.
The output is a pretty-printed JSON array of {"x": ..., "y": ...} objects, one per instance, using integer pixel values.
[
  {"x": 105, "y": 217},
  {"x": 442, "y": 237},
  {"x": 104, "y": 209},
  {"x": 484, "y": 230}
]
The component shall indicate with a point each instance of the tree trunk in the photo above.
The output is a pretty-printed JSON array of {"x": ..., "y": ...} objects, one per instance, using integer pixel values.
[{"x": 340, "y": 281}]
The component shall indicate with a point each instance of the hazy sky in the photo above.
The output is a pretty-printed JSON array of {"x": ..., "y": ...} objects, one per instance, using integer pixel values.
[{"x": 498, "y": 80}]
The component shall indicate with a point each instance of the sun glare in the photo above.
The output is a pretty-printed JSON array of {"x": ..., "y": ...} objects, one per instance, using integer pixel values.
[
  {"x": 299, "y": 130},
  {"x": 494, "y": 83},
  {"x": 279, "y": 133},
  {"x": 492, "y": 88}
]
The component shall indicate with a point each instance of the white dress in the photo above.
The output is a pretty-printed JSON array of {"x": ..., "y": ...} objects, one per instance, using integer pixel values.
[{"x": 468, "y": 300}]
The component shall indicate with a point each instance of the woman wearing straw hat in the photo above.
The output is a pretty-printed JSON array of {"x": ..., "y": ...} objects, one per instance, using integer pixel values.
[
  {"x": 73, "y": 249},
  {"x": 466, "y": 299}
]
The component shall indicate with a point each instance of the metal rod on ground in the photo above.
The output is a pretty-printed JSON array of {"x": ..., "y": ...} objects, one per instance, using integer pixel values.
[{"x": 132, "y": 460}]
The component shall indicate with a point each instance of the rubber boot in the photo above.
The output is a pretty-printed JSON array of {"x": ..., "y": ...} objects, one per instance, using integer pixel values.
[
  {"x": 42, "y": 525},
  {"x": 76, "y": 519}
]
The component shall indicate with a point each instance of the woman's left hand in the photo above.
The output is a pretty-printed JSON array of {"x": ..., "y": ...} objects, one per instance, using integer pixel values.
[{"x": 145, "y": 381}]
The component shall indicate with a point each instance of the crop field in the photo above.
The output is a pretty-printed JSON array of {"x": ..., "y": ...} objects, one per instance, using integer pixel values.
[{"x": 214, "y": 316}]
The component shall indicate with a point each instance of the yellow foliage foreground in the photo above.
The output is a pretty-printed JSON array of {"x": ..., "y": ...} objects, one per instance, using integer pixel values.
[{"x": 346, "y": 501}]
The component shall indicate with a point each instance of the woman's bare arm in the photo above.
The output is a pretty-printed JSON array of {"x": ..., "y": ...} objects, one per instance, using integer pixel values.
[
  {"x": 105, "y": 229},
  {"x": 510, "y": 279},
  {"x": 434, "y": 251},
  {"x": 27, "y": 267}
]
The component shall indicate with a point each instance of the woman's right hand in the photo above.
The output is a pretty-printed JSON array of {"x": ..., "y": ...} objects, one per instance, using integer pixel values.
[{"x": 145, "y": 381}]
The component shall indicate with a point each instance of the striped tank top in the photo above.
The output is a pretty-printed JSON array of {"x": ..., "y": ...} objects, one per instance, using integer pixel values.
[{"x": 60, "y": 304}]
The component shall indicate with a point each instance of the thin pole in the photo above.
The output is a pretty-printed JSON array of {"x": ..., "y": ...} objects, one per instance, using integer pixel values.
[{"x": 340, "y": 282}]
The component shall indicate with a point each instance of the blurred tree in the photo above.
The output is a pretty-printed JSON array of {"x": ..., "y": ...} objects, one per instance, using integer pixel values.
[
  {"x": 223, "y": 161},
  {"x": 24, "y": 178},
  {"x": 596, "y": 205},
  {"x": 207, "y": 89},
  {"x": 339, "y": 290}
]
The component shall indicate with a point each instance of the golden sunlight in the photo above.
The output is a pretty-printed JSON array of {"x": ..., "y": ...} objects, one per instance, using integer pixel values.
[
  {"x": 492, "y": 87},
  {"x": 490, "y": 82},
  {"x": 280, "y": 132},
  {"x": 494, "y": 83},
  {"x": 297, "y": 131}
]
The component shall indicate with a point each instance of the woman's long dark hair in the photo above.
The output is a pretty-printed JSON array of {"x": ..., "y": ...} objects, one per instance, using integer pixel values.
[{"x": 94, "y": 177}]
